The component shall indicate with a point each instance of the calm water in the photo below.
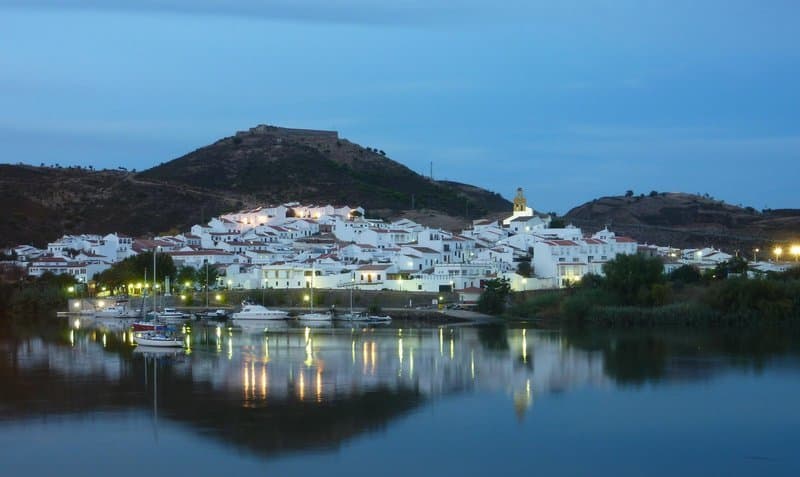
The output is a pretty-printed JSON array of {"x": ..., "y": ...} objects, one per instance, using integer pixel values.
[{"x": 402, "y": 400}]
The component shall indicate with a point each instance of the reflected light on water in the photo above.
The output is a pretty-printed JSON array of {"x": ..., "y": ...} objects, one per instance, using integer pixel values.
[
  {"x": 301, "y": 385},
  {"x": 72, "y": 337},
  {"x": 472, "y": 364},
  {"x": 105, "y": 341},
  {"x": 309, "y": 352},
  {"x": 441, "y": 342},
  {"x": 264, "y": 382},
  {"x": 400, "y": 351},
  {"x": 319, "y": 385},
  {"x": 524, "y": 346},
  {"x": 245, "y": 380},
  {"x": 373, "y": 356}
]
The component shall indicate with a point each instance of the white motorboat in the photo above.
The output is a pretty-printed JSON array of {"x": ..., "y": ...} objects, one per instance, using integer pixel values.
[
  {"x": 259, "y": 313},
  {"x": 315, "y": 317},
  {"x": 117, "y": 310},
  {"x": 158, "y": 340}
]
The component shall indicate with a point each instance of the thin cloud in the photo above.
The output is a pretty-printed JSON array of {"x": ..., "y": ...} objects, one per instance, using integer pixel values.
[{"x": 413, "y": 12}]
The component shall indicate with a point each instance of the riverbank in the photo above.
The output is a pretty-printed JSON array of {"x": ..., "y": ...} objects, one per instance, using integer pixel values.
[{"x": 731, "y": 302}]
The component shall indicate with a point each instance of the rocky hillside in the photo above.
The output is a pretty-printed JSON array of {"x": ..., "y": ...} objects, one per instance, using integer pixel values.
[
  {"x": 44, "y": 203},
  {"x": 270, "y": 164},
  {"x": 263, "y": 165},
  {"x": 688, "y": 220}
]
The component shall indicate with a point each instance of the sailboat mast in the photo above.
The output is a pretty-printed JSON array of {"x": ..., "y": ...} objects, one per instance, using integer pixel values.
[{"x": 155, "y": 249}]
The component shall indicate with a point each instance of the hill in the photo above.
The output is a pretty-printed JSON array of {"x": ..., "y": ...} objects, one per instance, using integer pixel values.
[
  {"x": 269, "y": 164},
  {"x": 44, "y": 203},
  {"x": 687, "y": 220},
  {"x": 265, "y": 164}
]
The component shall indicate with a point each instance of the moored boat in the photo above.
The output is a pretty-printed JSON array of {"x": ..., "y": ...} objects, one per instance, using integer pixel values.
[
  {"x": 314, "y": 316},
  {"x": 259, "y": 313},
  {"x": 117, "y": 310},
  {"x": 148, "y": 326},
  {"x": 157, "y": 340}
]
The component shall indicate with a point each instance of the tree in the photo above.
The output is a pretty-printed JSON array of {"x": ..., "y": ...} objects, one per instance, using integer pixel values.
[
  {"x": 629, "y": 193},
  {"x": 653, "y": 193},
  {"x": 494, "y": 296},
  {"x": 132, "y": 270},
  {"x": 685, "y": 274},
  {"x": 632, "y": 277},
  {"x": 200, "y": 275},
  {"x": 186, "y": 275},
  {"x": 524, "y": 268},
  {"x": 736, "y": 265}
]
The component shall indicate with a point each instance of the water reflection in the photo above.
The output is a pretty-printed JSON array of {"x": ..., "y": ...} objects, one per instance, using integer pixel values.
[{"x": 273, "y": 388}]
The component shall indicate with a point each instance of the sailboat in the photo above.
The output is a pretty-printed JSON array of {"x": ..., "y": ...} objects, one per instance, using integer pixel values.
[
  {"x": 156, "y": 338},
  {"x": 351, "y": 315},
  {"x": 143, "y": 324},
  {"x": 313, "y": 315}
]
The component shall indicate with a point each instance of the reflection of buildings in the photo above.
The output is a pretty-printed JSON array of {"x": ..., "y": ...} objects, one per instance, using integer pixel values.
[
  {"x": 323, "y": 365},
  {"x": 293, "y": 388}
]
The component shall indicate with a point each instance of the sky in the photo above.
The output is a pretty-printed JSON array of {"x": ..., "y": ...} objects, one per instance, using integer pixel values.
[{"x": 570, "y": 100}]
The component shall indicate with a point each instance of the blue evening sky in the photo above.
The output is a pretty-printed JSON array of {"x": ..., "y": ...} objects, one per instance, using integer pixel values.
[{"x": 569, "y": 99}]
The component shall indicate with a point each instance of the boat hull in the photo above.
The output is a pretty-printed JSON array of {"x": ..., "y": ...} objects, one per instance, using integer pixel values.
[
  {"x": 148, "y": 327},
  {"x": 319, "y": 317},
  {"x": 259, "y": 317},
  {"x": 158, "y": 341}
]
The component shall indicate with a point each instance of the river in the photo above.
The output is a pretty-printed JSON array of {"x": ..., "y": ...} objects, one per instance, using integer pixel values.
[{"x": 77, "y": 398}]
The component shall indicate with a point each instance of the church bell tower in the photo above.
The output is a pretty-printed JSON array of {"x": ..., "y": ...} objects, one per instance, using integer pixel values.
[{"x": 520, "y": 204}]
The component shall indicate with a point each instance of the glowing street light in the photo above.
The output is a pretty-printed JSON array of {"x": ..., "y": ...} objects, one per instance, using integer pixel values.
[
  {"x": 71, "y": 289},
  {"x": 778, "y": 252},
  {"x": 795, "y": 250}
]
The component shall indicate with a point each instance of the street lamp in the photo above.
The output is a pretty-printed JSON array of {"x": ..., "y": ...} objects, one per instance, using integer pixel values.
[
  {"x": 755, "y": 254},
  {"x": 795, "y": 250},
  {"x": 778, "y": 252}
]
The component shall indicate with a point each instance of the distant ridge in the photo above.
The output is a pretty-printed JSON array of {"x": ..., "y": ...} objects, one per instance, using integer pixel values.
[{"x": 687, "y": 220}]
